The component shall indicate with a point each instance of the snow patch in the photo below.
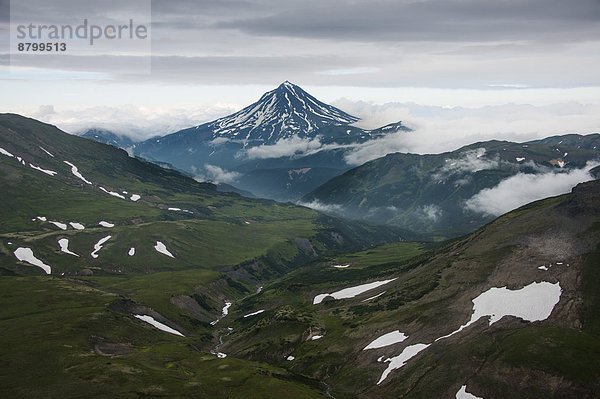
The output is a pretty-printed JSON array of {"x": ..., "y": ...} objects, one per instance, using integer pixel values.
[
  {"x": 463, "y": 394},
  {"x": 131, "y": 251},
  {"x": 114, "y": 194},
  {"x": 316, "y": 337},
  {"x": 60, "y": 225},
  {"x": 341, "y": 266},
  {"x": 4, "y": 152},
  {"x": 290, "y": 358},
  {"x": 533, "y": 302},
  {"x": 77, "y": 226},
  {"x": 397, "y": 362},
  {"x": 351, "y": 292},
  {"x": 158, "y": 324},
  {"x": 98, "y": 246},
  {"x": 254, "y": 313},
  {"x": 160, "y": 247},
  {"x": 388, "y": 339},
  {"x": 106, "y": 224},
  {"x": 76, "y": 173},
  {"x": 26, "y": 255},
  {"x": 64, "y": 246},
  {"x": 135, "y": 197},
  {"x": 46, "y": 171},
  {"x": 46, "y": 151}
]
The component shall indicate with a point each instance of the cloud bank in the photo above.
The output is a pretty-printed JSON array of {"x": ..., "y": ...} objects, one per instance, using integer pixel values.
[
  {"x": 436, "y": 129},
  {"x": 137, "y": 123},
  {"x": 522, "y": 189},
  {"x": 440, "y": 129}
]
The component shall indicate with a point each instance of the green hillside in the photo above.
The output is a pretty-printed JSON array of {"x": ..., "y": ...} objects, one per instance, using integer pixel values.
[
  {"x": 427, "y": 193},
  {"x": 80, "y": 318}
]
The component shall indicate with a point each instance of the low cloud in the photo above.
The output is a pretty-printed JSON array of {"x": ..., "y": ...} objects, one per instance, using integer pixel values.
[
  {"x": 217, "y": 174},
  {"x": 322, "y": 207},
  {"x": 285, "y": 147},
  {"x": 470, "y": 162},
  {"x": 522, "y": 189}
]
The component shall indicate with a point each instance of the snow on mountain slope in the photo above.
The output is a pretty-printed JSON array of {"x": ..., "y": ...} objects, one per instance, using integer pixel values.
[{"x": 282, "y": 113}]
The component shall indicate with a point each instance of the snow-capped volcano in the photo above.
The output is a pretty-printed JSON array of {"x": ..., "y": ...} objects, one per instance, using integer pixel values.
[
  {"x": 279, "y": 127},
  {"x": 282, "y": 113}
]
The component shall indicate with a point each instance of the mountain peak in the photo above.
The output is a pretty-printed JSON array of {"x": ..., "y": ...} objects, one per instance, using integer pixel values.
[
  {"x": 284, "y": 112},
  {"x": 287, "y": 83}
]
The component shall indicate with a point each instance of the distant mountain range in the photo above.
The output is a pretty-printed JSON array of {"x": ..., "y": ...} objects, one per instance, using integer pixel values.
[
  {"x": 433, "y": 194},
  {"x": 284, "y": 114}
]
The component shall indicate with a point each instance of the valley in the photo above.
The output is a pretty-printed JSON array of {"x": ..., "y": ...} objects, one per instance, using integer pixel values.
[{"x": 264, "y": 199}]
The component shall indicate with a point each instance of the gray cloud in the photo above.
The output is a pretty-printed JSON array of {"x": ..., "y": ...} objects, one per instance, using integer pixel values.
[
  {"x": 429, "y": 43},
  {"x": 430, "y": 20}
]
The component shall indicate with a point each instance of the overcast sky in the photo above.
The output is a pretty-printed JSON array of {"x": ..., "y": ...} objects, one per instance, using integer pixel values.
[{"x": 209, "y": 57}]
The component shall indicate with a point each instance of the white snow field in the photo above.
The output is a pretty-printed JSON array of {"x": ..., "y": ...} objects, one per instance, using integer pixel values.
[
  {"x": 160, "y": 247},
  {"x": 351, "y": 292},
  {"x": 390, "y": 338},
  {"x": 398, "y": 361},
  {"x": 254, "y": 313},
  {"x": 533, "y": 302},
  {"x": 158, "y": 324},
  {"x": 463, "y": 394},
  {"x": 46, "y": 171},
  {"x": 26, "y": 255},
  {"x": 76, "y": 173},
  {"x": 98, "y": 246},
  {"x": 64, "y": 246}
]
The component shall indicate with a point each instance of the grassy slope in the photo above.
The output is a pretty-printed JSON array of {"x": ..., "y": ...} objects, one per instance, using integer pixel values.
[
  {"x": 51, "y": 324},
  {"x": 50, "y": 327},
  {"x": 432, "y": 297}
]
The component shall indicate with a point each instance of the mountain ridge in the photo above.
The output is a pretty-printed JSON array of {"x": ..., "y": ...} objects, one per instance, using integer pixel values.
[{"x": 429, "y": 192}]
